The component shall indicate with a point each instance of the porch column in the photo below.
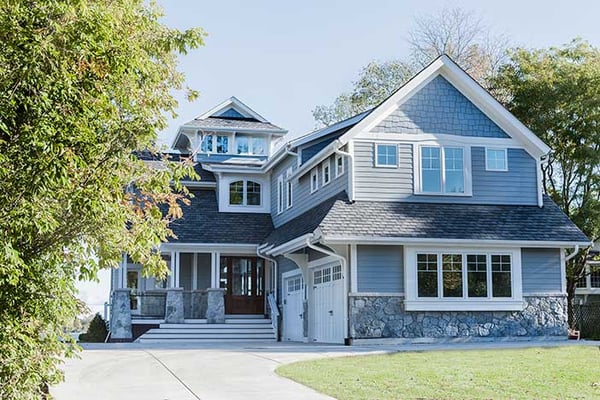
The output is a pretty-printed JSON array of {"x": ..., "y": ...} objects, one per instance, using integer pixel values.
[
  {"x": 215, "y": 306},
  {"x": 174, "y": 306},
  {"x": 215, "y": 269},
  {"x": 120, "y": 316},
  {"x": 123, "y": 276}
]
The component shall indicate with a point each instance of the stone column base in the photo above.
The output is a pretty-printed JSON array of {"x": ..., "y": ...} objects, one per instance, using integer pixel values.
[
  {"x": 174, "y": 306},
  {"x": 215, "y": 306},
  {"x": 120, "y": 316}
]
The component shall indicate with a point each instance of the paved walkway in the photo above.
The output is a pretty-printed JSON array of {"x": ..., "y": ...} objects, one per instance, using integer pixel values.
[{"x": 212, "y": 372}]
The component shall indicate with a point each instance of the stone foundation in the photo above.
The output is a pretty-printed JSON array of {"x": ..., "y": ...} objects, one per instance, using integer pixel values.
[
  {"x": 120, "y": 316},
  {"x": 385, "y": 317}
]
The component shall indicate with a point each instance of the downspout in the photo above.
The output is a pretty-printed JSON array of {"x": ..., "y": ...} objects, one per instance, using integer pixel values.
[
  {"x": 350, "y": 169},
  {"x": 344, "y": 268},
  {"x": 275, "y": 269},
  {"x": 573, "y": 254},
  {"x": 291, "y": 153}
]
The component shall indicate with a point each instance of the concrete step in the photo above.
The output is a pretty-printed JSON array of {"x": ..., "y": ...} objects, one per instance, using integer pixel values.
[
  {"x": 213, "y": 330},
  {"x": 218, "y": 340},
  {"x": 215, "y": 326},
  {"x": 209, "y": 335},
  {"x": 244, "y": 316}
]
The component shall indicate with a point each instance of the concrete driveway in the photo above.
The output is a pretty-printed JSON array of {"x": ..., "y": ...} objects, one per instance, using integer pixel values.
[
  {"x": 216, "y": 371},
  {"x": 190, "y": 372}
]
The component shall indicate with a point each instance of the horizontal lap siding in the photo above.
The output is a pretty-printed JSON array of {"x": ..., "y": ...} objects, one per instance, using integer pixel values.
[
  {"x": 541, "y": 271},
  {"x": 380, "y": 269},
  {"x": 518, "y": 185},
  {"x": 303, "y": 199}
]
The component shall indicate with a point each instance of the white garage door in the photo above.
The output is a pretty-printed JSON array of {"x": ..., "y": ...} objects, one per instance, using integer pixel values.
[
  {"x": 327, "y": 304},
  {"x": 293, "y": 310}
]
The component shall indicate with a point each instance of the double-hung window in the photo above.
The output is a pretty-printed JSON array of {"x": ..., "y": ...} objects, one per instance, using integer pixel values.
[
  {"x": 314, "y": 180},
  {"x": 326, "y": 169},
  {"x": 450, "y": 279},
  {"x": 206, "y": 146},
  {"x": 339, "y": 165},
  {"x": 222, "y": 144},
  {"x": 386, "y": 155},
  {"x": 442, "y": 170},
  {"x": 250, "y": 145},
  {"x": 289, "y": 189}
]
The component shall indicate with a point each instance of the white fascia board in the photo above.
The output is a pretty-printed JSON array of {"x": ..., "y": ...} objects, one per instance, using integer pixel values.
[
  {"x": 290, "y": 246},
  {"x": 273, "y": 132},
  {"x": 317, "y": 159},
  {"x": 427, "y": 138},
  {"x": 236, "y": 103},
  {"x": 198, "y": 184},
  {"x": 450, "y": 242},
  {"x": 237, "y": 248},
  {"x": 220, "y": 168},
  {"x": 467, "y": 86}
]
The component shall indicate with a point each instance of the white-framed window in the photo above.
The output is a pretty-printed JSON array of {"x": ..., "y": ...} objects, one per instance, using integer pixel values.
[
  {"x": 463, "y": 279},
  {"x": 443, "y": 170},
  {"x": 206, "y": 146},
  {"x": 314, "y": 180},
  {"x": 339, "y": 165},
  {"x": 496, "y": 159},
  {"x": 386, "y": 155},
  {"x": 250, "y": 145},
  {"x": 244, "y": 192},
  {"x": 222, "y": 144},
  {"x": 326, "y": 171},
  {"x": 289, "y": 189},
  {"x": 280, "y": 194}
]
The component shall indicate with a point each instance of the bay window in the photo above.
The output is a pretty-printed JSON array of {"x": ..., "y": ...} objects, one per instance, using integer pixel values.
[
  {"x": 443, "y": 170},
  {"x": 463, "y": 279}
]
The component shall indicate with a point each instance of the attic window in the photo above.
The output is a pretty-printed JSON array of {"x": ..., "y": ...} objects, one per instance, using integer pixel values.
[{"x": 251, "y": 145}]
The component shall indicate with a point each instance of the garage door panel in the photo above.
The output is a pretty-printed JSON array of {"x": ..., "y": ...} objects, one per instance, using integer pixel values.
[
  {"x": 293, "y": 308},
  {"x": 328, "y": 304}
]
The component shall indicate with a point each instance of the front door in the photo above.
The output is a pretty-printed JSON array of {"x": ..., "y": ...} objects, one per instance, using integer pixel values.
[{"x": 243, "y": 279}]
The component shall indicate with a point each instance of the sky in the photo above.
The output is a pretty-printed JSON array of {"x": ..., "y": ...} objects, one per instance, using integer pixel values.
[{"x": 283, "y": 58}]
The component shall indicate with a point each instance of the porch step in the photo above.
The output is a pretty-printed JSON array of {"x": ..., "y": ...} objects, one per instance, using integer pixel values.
[{"x": 196, "y": 331}]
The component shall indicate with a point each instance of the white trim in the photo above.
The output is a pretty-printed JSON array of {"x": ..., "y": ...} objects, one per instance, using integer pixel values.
[
  {"x": 338, "y": 157},
  {"x": 563, "y": 271},
  {"x": 195, "y": 271},
  {"x": 314, "y": 173},
  {"x": 456, "y": 242},
  {"x": 376, "y": 294},
  {"x": 353, "y": 268},
  {"x": 475, "y": 141},
  {"x": 280, "y": 191},
  {"x": 467, "y": 172},
  {"x": 539, "y": 177},
  {"x": 326, "y": 166},
  {"x": 265, "y": 198},
  {"x": 376, "y": 155},
  {"x": 464, "y": 303},
  {"x": 494, "y": 148},
  {"x": 320, "y": 262},
  {"x": 289, "y": 246},
  {"x": 291, "y": 274}
]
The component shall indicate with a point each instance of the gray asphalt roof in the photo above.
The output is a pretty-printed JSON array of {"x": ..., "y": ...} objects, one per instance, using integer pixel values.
[
  {"x": 337, "y": 217},
  {"x": 233, "y": 124},
  {"x": 202, "y": 223}
]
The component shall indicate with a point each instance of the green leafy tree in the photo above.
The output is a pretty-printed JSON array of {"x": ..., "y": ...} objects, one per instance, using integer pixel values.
[
  {"x": 459, "y": 33},
  {"x": 556, "y": 93},
  {"x": 83, "y": 84}
]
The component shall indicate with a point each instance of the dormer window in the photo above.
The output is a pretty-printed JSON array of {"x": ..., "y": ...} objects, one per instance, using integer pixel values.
[
  {"x": 222, "y": 144},
  {"x": 443, "y": 170},
  {"x": 251, "y": 145},
  {"x": 244, "y": 193},
  {"x": 208, "y": 144}
]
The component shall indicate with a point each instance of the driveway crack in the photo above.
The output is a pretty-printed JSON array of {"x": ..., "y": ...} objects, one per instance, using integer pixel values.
[{"x": 173, "y": 374}]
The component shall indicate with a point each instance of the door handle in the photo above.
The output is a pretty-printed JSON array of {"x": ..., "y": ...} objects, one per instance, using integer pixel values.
[{"x": 330, "y": 312}]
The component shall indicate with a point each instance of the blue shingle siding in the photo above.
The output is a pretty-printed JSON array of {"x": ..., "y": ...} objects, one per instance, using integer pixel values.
[
  {"x": 231, "y": 113},
  {"x": 541, "y": 271},
  {"x": 303, "y": 199},
  {"x": 440, "y": 108},
  {"x": 518, "y": 185},
  {"x": 380, "y": 269},
  {"x": 283, "y": 265},
  {"x": 308, "y": 152}
]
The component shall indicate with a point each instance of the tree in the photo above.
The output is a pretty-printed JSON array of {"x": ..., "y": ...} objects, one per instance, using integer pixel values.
[
  {"x": 556, "y": 93},
  {"x": 83, "y": 84},
  {"x": 453, "y": 31},
  {"x": 96, "y": 332}
]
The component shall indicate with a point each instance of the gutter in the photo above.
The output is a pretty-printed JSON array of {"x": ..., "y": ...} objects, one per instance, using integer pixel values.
[{"x": 573, "y": 254}]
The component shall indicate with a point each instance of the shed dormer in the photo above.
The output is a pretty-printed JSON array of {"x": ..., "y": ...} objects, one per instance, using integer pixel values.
[{"x": 229, "y": 132}]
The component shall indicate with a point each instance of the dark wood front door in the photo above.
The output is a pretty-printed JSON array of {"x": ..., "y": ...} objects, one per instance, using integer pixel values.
[{"x": 243, "y": 278}]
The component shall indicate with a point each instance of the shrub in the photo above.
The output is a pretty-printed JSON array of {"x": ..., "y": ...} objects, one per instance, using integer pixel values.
[{"x": 96, "y": 332}]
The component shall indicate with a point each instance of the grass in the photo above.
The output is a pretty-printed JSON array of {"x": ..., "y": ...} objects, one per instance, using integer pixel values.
[{"x": 537, "y": 373}]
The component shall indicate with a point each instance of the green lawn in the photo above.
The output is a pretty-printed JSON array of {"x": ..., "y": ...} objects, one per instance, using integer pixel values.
[{"x": 536, "y": 373}]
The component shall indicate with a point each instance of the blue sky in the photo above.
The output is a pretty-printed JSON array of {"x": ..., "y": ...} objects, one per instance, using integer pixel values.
[{"x": 283, "y": 58}]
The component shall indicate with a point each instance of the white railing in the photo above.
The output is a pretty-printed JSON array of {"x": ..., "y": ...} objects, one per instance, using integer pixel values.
[{"x": 274, "y": 313}]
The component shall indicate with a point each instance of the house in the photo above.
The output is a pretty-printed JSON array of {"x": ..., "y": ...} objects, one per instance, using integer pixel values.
[{"x": 421, "y": 219}]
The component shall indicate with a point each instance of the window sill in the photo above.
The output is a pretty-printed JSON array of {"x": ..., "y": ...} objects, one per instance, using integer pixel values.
[
  {"x": 386, "y": 166},
  {"x": 443, "y": 194},
  {"x": 464, "y": 305}
]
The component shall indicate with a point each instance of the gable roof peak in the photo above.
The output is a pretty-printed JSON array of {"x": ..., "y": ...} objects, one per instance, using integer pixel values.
[{"x": 235, "y": 104}]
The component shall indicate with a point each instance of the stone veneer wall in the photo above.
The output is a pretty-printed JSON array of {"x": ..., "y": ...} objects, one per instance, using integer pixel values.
[{"x": 385, "y": 317}]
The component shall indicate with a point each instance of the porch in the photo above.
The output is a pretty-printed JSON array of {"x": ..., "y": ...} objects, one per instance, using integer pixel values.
[{"x": 201, "y": 286}]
